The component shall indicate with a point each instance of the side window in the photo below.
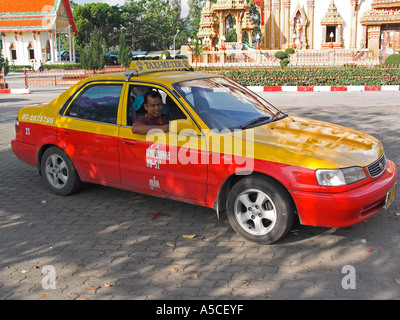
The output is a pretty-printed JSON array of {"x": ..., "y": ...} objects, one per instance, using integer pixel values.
[
  {"x": 98, "y": 102},
  {"x": 136, "y": 100},
  {"x": 172, "y": 109}
]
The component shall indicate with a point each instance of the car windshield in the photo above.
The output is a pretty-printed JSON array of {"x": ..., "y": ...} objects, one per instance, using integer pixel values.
[{"x": 224, "y": 104}]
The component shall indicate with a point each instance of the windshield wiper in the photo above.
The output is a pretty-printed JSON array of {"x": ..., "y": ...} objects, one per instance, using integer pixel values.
[
  {"x": 279, "y": 115},
  {"x": 255, "y": 121}
]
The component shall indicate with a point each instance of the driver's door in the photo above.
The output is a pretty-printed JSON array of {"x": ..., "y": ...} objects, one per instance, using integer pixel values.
[{"x": 163, "y": 163}]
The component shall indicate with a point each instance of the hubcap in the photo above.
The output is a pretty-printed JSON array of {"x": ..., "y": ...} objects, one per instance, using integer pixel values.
[
  {"x": 56, "y": 171},
  {"x": 255, "y": 212}
]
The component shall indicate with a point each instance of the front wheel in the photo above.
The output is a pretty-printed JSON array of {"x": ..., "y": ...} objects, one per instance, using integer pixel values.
[
  {"x": 59, "y": 172},
  {"x": 260, "y": 209}
]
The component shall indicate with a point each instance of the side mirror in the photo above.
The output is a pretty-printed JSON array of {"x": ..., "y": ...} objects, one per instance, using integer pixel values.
[{"x": 182, "y": 126}]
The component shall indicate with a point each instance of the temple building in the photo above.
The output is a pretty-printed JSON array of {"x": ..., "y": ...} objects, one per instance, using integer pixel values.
[
  {"x": 30, "y": 30},
  {"x": 341, "y": 24},
  {"x": 309, "y": 24},
  {"x": 213, "y": 21}
]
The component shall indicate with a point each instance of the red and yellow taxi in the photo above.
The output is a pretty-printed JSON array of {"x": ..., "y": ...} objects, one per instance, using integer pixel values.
[{"x": 226, "y": 148}]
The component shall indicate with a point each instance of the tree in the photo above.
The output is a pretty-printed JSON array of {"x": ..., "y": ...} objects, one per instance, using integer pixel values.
[
  {"x": 176, "y": 23},
  {"x": 93, "y": 54},
  {"x": 165, "y": 55},
  {"x": 3, "y": 64},
  {"x": 152, "y": 24},
  {"x": 124, "y": 52},
  {"x": 256, "y": 17},
  {"x": 132, "y": 13},
  {"x": 107, "y": 19},
  {"x": 194, "y": 16},
  {"x": 197, "y": 49},
  {"x": 160, "y": 23},
  {"x": 231, "y": 35}
]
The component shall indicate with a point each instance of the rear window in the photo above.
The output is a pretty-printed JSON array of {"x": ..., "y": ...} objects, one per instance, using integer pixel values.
[{"x": 98, "y": 102}]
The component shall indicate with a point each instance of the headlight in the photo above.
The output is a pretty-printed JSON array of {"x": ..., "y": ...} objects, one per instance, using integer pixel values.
[{"x": 339, "y": 177}]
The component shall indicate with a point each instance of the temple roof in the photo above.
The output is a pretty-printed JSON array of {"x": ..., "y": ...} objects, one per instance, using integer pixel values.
[
  {"x": 231, "y": 4},
  {"x": 385, "y": 3},
  {"x": 382, "y": 11},
  {"x": 38, "y": 15}
]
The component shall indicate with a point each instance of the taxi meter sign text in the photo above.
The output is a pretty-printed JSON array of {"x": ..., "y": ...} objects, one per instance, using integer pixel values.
[{"x": 160, "y": 65}]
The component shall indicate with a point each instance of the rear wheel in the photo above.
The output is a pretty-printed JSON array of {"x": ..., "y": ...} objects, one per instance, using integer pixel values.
[
  {"x": 59, "y": 172},
  {"x": 260, "y": 209}
]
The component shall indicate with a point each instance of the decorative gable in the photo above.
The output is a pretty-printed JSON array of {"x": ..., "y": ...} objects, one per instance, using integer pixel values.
[
  {"x": 332, "y": 16},
  {"x": 332, "y": 28}
]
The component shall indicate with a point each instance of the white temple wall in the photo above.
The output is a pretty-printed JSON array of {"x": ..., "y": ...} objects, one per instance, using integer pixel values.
[
  {"x": 22, "y": 43},
  {"x": 343, "y": 6}
]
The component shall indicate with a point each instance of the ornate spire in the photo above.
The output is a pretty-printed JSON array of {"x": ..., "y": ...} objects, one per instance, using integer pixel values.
[{"x": 332, "y": 16}]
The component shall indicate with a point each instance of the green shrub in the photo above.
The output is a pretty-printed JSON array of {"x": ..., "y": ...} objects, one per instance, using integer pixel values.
[
  {"x": 393, "y": 60},
  {"x": 289, "y": 51},
  {"x": 69, "y": 66},
  {"x": 315, "y": 76},
  {"x": 284, "y": 57},
  {"x": 4, "y": 66},
  {"x": 14, "y": 68},
  {"x": 284, "y": 62},
  {"x": 280, "y": 55}
]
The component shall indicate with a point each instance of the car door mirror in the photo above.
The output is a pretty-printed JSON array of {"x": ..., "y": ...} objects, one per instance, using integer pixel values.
[{"x": 182, "y": 126}]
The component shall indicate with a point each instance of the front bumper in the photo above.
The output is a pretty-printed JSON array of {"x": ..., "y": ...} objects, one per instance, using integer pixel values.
[{"x": 345, "y": 208}]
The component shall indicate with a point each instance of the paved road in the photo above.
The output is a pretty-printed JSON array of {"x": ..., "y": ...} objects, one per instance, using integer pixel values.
[{"x": 104, "y": 243}]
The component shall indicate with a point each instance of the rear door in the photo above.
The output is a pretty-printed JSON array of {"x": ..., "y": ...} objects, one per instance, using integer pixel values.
[{"x": 88, "y": 131}]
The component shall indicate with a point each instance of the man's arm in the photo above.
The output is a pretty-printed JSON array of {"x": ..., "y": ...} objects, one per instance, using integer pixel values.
[{"x": 140, "y": 128}]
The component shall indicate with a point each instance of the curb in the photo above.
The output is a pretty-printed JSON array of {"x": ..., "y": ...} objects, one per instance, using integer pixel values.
[
  {"x": 321, "y": 88},
  {"x": 15, "y": 91}
]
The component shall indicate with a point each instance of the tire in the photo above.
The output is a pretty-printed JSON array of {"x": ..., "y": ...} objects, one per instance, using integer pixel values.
[
  {"x": 59, "y": 172},
  {"x": 260, "y": 209}
]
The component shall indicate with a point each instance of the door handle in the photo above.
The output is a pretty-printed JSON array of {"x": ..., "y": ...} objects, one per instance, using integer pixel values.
[
  {"x": 129, "y": 142},
  {"x": 63, "y": 131}
]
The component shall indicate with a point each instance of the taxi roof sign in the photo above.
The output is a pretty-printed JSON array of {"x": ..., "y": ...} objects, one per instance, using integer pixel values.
[{"x": 160, "y": 65}]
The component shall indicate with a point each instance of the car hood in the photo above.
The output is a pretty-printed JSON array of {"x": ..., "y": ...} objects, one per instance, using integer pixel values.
[{"x": 314, "y": 144}]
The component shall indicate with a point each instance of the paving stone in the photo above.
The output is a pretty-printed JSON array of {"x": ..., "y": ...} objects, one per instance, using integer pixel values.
[{"x": 107, "y": 236}]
